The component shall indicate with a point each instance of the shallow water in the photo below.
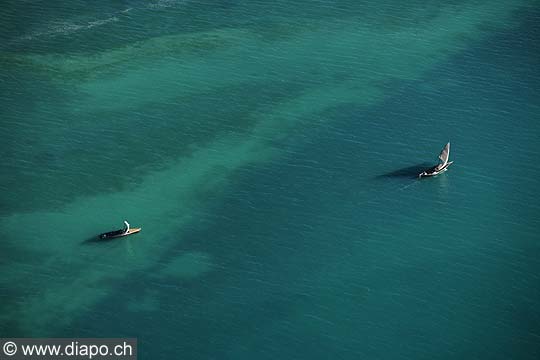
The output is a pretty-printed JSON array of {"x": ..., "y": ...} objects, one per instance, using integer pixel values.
[{"x": 269, "y": 152}]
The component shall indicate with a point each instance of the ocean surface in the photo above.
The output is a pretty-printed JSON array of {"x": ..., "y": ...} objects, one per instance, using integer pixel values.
[{"x": 268, "y": 150}]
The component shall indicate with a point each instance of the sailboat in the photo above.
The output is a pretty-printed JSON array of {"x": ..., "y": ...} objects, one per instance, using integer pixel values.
[{"x": 442, "y": 166}]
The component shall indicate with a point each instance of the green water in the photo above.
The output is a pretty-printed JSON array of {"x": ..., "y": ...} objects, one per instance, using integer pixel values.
[{"x": 268, "y": 151}]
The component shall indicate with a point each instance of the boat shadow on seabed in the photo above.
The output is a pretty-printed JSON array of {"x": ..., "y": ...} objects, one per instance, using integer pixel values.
[
  {"x": 409, "y": 172},
  {"x": 96, "y": 240}
]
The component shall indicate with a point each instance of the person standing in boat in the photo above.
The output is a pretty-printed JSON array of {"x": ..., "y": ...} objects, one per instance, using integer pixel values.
[{"x": 126, "y": 227}]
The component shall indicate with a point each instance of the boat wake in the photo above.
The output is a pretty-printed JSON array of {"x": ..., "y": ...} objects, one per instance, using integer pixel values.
[
  {"x": 62, "y": 28},
  {"x": 67, "y": 28},
  {"x": 160, "y": 4},
  {"x": 408, "y": 185}
]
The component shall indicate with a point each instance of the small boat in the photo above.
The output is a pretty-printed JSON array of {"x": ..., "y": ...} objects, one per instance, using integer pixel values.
[
  {"x": 442, "y": 166},
  {"x": 119, "y": 233}
]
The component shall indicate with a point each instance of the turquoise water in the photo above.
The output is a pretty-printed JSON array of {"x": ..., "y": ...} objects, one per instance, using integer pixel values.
[{"x": 269, "y": 151}]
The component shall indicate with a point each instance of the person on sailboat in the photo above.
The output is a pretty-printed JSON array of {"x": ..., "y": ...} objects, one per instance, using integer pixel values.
[{"x": 126, "y": 227}]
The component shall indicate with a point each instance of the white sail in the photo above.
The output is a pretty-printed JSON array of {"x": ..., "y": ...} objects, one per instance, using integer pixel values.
[
  {"x": 445, "y": 154},
  {"x": 443, "y": 164}
]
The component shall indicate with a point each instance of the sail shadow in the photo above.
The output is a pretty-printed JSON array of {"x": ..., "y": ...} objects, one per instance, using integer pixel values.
[{"x": 406, "y": 172}]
